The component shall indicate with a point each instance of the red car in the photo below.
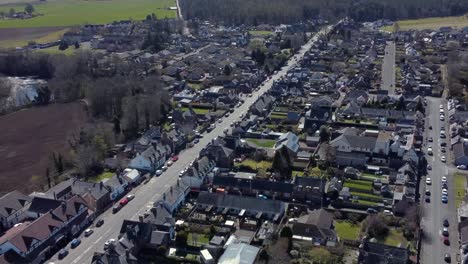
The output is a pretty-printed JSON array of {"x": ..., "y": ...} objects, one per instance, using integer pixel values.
[
  {"x": 124, "y": 201},
  {"x": 175, "y": 158}
]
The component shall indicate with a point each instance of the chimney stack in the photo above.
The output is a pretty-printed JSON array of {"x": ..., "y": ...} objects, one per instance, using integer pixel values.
[
  {"x": 171, "y": 189},
  {"x": 164, "y": 196},
  {"x": 140, "y": 217}
]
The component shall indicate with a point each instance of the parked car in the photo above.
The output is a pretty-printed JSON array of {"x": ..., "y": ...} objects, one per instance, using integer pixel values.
[
  {"x": 169, "y": 163},
  {"x": 116, "y": 208},
  {"x": 371, "y": 211},
  {"x": 62, "y": 253},
  {"x": 428, "y": 193},
  {"x": 99, "y": 222},
  {"x": 75, "y": 242},
  {"x": 443, "y": 159},
  {"x": 446, "y": 241},
  {"x": 123, "y": 202},
  {"x": 159, "y": 172},
  {"x": 130, "y": 197},
  {"x": 428, "y": 181},
  {"x": 108, "y": 242},
  {"x": 430, "y": 139},
  {"x": 387, "y": 212},
  {"x": 461, "y": 167},
  {"x": 174, "y": 158},
  {"x": 447, "y": 258},
  {"x": 164, "y": 168},
  {"x": 445, "y": 223},
  {"x": 429, "y": 167},
  {"x": 443, "y": 144},
  {"x": 444, "y": 199},
  {"x": 88, "y": 232}
]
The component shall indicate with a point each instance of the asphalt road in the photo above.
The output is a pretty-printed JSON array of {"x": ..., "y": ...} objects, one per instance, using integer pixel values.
[
  {"x": 388, "y": 68},
  {"x": 146, "y": 195},
  {"x": 434, "y": 213}
]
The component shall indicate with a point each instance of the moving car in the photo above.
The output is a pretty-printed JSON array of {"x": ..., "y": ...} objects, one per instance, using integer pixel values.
[
  {"x": 75, "y": 242},
  {"x": 88, "y": 232}
]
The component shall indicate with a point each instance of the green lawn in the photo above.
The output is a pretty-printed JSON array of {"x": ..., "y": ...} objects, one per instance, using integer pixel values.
[
  {"x": 199, "y": 111},
  {"x": 196, "y": 239},
  {"x": 78, "y": 12},
  {"x": 460, "y": 182},
  {"x": 196, "y": 86},
  {"x": 370, "y": 203},
  {"x": 298, "y": 173},
  {"x": 264, "y": 143},
  {"x": 367, "y": 197},
  {"x": 347, "y": 230},
  {"x": 431, "y": 23},
  {"x": 255, "y": 165},
  {"x": 261, "y": 32},
  {"x": 102, "y": 176},
  {"x": 394, "y": 238}
]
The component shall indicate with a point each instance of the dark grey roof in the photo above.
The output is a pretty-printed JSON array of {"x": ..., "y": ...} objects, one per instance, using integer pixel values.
[
  {"x": 310, "y": 182},
  {"x": 159, "y": 216},
  {"x": 174, "y": 193},
  {"x": 320, "y": 218},
  {"x": 460, "y": 150},
  {"x": 265, "y": 185},
  {"x": 159, "y": 237},
  {"x": 12, "y": 202},
  {"x": 43, "y": 205},
  {"x": 376, "y": 253},
  {"x": 240, "y": 202}
]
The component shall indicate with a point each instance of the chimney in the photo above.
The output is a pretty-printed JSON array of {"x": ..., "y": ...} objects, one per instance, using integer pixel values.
[
  {"x": 64, "y": 206},
  {"x": 178, "y": 182},
  {"x": 171, "y": 189},
  {"x": 101, "y": 185},
  {"x": 164, "y": 196},
  {"x": 55, "y": 196},
  {"x": 140, "y": 217}
]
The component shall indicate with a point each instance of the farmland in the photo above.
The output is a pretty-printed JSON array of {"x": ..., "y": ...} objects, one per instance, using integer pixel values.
[
  {"x": 28, "y": 139},
  {"x": 431, "y": 23},
  {"x": 56, "y": 16}
]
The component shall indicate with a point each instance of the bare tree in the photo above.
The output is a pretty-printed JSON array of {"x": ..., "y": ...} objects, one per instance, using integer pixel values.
[{"x": 5, "y": 87}]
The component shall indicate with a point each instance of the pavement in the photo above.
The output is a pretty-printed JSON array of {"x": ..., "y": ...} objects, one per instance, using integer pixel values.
[
  {"x": 388, "y": 69},
  {"x": 434, "y": 212},
  {"x": 147, "y": 194}
]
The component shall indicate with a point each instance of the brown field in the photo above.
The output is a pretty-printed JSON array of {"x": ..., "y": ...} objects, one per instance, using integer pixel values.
[
  {"x": 28, "y": 137},
  {"x": 14, "y": 37}
]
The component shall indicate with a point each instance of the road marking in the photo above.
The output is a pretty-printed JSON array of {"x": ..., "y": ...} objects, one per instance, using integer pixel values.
[{"x": 81, "y": 255}]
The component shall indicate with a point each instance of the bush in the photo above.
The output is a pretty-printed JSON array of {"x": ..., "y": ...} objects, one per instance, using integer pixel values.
[{"x": 286, "y": 232}]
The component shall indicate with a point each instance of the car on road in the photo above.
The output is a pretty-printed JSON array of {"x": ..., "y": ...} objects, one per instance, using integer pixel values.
[
  {"x": 174, "y": 158},
  {"x": 429, "y": 151},
  {"x": 447, "y": 258},
  {"x": 444, "y": 199},
  {"x": 442, "y": 118},
  {"x": 123, "y": 202},
  {"x": 443, "y": 159},
  {"x": 116, "y": 208},
  {"x": 99, "y": 222},
  {"x": 445, "y": 192},
  {"x": 443, "y": 144},
  {"x": 88, "y": 232},
  {"x": 164, "y": 168},
  {"x": 443, "y": 179},
  {"x": 108, "y": 242},
  {"x": 461, "y": 167},
  {"x": 446, "y": 241},
  {"x": 159, "y": 172},
  {"x": 220, "y": 120},
  {"x": 241, "y": 116},
  {"x": 428, "y": 199},
  {"x": 169, "y": 163},
  {"x": 428, "y": 181},
  {"x": 429, "y": 167},
  {"x": 130, "y": 197},
  {"x": 442, "y": 149},
  {"x": 226, "y": 130},
  {"x": 75, "y": 242},
  {"x": 430, "y": 139},
  {"x": 62, "y": 253},
  {"x": 442, "y": 135},
  {"x": 445, "y": 223},
  {"x": 371, "y": 211},
  {"x": 428, "y": 193},
  {"x": 445, "y": 232}
]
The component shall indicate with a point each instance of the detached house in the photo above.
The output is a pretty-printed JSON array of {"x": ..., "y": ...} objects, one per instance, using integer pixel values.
[{"x": 316, "y": 227}]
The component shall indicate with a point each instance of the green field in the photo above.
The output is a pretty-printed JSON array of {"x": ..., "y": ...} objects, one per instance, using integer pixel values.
[
  {"x": 459, "y": 183},
  {"x": 261, "y": 32},
  {"x": 431, "y": 23},
  {"x": 101, "y": 177},
  {"x": 264, "y": 143},
  {"x": 394, "y": 238},
  {"x": 78, "y": 12}
]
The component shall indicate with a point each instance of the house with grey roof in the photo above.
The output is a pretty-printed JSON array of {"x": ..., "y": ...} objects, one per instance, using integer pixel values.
[
  {"x": 175, "y": 196},
  {"x": 373, "y": 253},
  {"x": 117, "y": 186},
  {"x": 241, "y": 205},
  {"x": 316, "y": 227},
  {"x": 152, "y": 158},
  {"x": 13, "y": 208},
  {"x": 460, "y": 153},
  {"x": 290, "y": 141},
  {"x": 239, "y": 253}
]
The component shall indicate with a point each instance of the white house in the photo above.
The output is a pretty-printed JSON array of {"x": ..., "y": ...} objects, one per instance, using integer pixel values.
[
  {"x": 151, "y": 159},
  {"x": 131, "y": 175}
]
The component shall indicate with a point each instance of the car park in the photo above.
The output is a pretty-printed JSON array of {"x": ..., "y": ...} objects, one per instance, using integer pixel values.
[
  {"x": 75, "y": 242},
  {"x": 88, "y": 232}
]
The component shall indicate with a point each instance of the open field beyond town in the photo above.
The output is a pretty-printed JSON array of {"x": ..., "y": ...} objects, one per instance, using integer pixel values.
[
  {"x": 58, "y": 15},
  {"x": 431, "y": 23},
  {"x": 28, "y": 139}
]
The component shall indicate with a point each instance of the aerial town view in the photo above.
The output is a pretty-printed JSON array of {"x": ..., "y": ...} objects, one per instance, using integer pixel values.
[{"x": 234, "y": 131}]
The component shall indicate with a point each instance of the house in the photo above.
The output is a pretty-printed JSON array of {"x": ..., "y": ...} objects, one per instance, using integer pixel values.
[
  {"x": 376, "y": 253},
  {"x": 239, "y": 253},
  {"x": 354, "y": 143},
  {"x": 309, "y": 189},
  {"x": 96, "y": 195},
  {"x": 117, "y": 186},
  {"x": 241, "y": 205},
  {"x": 175, "y": 196},
  {"x": 316, "y": 227},
  {"x": 132, "y": 176},
  {"x": 160, "y": 218},
  {"x": 223, "y": 156},
  {"x": 151, "y": 159},
  {"x": 460, "y": 153},
  {"x": 13, "y": 207},
  {"x": 263, "y": 105},
  {"x": 35, "y": 241},
  {"x": 290, "y": 141}
]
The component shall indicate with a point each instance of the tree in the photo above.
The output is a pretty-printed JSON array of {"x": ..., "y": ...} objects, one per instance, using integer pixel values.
[
  {"x": 286, "y": 232},
  {"x": 29, "y": 8},
  {"x": 181, "y": 239},
  {"x": 375, "y": 226},
  {"x": 63, "y": 45},
  {"x": 324, "y": 134},
  {"x": 77, "y": 45},
  {"x": 227, "y": 70},
  {"x": 282, "y": 163}
]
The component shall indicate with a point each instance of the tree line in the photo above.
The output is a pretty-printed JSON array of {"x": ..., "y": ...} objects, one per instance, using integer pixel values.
[{"x": 254, "y": 12}]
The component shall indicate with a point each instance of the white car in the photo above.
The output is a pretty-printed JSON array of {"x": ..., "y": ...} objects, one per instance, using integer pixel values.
[
  {"x": 88, "y": 232},
  {"x": 130, "y": 197},
  {"x": 169, "y": 163},
  {"x": 428, "y": 181},
  {"x": 159, "y": 172},
  {"x": 461, "y": 167},
  {"x": 445, "y": 192},
  {"x": 164, "y": 168},
  {"x": 429, "y": 151},
  {"x": 441, "y": 107},
  {"x": 442, "y": 118},
  {"x": 443, "y": 159},
  {"x": 387, "y": 212},
  {"x": 444, "y": 179}
]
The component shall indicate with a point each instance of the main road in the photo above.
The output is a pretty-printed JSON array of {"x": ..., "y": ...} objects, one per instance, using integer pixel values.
[
  {"x": 146, "y": 195},
  {"x": 434, "y": 211},
  {"x": 388, "y": 68}
]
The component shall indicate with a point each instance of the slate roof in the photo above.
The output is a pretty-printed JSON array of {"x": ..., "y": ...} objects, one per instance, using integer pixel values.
[
  {"x": 13, "y": 202},
  {"x": 376, "y": 253},
  {"x": 255, "y": 184},
  {"x": 358, "y": 141},
  {"x": 43, "y": 205},
  {"x": 460, "y": 150},
  {"x": 290, "y": 140},
  {"x": 240, "y": 202},
  {"x": 320, "y": 218}
]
